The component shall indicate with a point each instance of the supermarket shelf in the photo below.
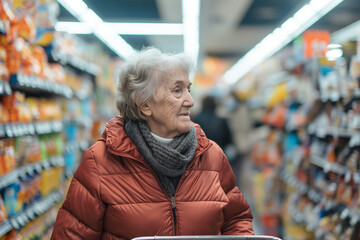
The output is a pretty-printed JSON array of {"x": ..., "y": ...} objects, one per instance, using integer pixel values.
[
  {"x": 29, "y": 83},
  {"x": 303, "y": 188},
  {"x": 328, "y": 166},
  {"x": 5, "y": 227},
  {"x": 30, "y": 169},
  {"x": 83, "y": 95},
  {"x": 5, "y": 88},
  {"x": 74, "y": 62},
  {"x": 323, "y": 131},
  {"x": 334, "y": 167},
  {"x": 302, "y": 218},
  {"x": 31, "y": 213},
  {"x": 22, "y": 129},
  {"x": 72, "y": 147},
  {"x": 83, "y": 121}
]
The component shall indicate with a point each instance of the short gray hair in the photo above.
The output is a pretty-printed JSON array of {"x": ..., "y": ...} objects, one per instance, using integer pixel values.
[{"x": 141, "y": 74}]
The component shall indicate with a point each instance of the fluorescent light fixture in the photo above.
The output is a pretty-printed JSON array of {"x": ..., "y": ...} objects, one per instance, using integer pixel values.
[
  {"x": 91, "y": 18},
  {"x": 86, "y": 15},
  {"x": 114, "y": 41},
  {"x": 74, "y": 27},
  {"x": 291, "y": 28},
  {"x": 191, "y": 19},
  {"x": 351, "y": 32},
  {"x": 125, "y": 28},
  {"x": 333, "y": 54},
  {"x": 333, "y": 45}
]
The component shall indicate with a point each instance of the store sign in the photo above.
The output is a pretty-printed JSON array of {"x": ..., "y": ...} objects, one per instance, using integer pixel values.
[{"x": 315, "y": 43}]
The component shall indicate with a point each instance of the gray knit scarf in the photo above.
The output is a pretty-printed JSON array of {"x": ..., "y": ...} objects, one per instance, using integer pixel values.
[{"x": 169, "y": 161}]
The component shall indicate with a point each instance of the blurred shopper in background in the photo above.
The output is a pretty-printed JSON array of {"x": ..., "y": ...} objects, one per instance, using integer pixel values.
[
  {"x": 153, "y": 172},
  {"x": 215, "y": 127}
]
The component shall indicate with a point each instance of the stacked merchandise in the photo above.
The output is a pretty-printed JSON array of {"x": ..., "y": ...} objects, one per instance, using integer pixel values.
[
  {"x": 308, "y": 163},
  {"x": 47, "y": 112},
  {"x": 31, "y": 144}
]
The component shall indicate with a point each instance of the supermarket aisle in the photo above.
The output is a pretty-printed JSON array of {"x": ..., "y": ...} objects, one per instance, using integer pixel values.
[
  {"x": 299, "y": 130},
  {"x": 305, "y": 164}
]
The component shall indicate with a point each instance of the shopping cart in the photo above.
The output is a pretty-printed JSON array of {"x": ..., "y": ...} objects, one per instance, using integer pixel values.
[{"x": 210, "y": 237}]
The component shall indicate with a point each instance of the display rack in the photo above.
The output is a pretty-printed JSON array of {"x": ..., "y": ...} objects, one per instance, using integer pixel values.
[
  {"x": 309, "y": 160},
  {"x": 48, "y": 108}
]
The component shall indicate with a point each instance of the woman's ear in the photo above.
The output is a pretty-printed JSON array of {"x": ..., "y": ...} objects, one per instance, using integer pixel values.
[{"x": 145, "y": 109}]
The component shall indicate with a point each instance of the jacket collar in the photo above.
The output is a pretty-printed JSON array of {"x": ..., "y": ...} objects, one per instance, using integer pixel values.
[{"x": 119, "y": 143}]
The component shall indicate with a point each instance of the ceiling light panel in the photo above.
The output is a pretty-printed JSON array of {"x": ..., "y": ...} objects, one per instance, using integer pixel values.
[{"x": 281, "y": 36}]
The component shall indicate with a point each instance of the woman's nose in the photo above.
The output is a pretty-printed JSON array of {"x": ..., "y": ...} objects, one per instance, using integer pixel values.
[{"x": 189, "y": 101}]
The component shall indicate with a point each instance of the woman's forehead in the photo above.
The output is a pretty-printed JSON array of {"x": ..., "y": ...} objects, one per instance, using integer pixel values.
[{"x": 176, "y": 77}]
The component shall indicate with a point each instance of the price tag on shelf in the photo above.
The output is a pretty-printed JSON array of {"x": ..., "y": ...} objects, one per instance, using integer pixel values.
[
  {"x": 20, "y": 220},
  {"x": 38, "y": 168},
  {"x": 321, "y": 132},
  {"x": 327, "y": 167},
  {"x": 30, "y": 169},
  {"x": 5, "y": 227},
  {"x": 9, "y": 178},
  {"x": 357, "y": 177},
  {"x": 354, "y": 219},
  {"x": 354, "y": 140},
  {"x": 14, "y": 223},
  {"x": 2, "y": 90},
  {"x": 46, "y": 165},
  {"x": 8, "y": 130},
  {"x": 7, "y": 88},
  {"x": 345, "y": 213},
  {"x": 30, "y": 213},
  {"x": 2, "y": 131},
  {"x": 347, "y": 176}
]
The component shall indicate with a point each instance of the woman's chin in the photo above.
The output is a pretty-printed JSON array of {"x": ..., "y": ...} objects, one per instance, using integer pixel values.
[{"x": 186, "y": 127}]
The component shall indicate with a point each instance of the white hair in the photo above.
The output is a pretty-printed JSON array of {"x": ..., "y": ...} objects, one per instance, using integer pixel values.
[{"x": 141, "y": 75}]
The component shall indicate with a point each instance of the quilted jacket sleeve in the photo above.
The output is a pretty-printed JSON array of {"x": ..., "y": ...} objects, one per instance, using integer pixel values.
[
  {"x": 81, "y": 215},
  {"x": 237, "y": 214}
]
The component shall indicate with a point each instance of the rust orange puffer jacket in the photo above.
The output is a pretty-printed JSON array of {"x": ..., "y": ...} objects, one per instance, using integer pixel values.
[{"x": 114, "y": 194}]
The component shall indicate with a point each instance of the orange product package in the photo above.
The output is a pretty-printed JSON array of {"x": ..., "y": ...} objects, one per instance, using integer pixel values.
[
  {"x": 3, "y": 212},
  {"x": 32, "y": 103},
  {"x": 41, "y": 60},
  {"x": 6, "y": 16},
  {"x": 58, "y": 72},
  {"x": 29, "y": 64},
  {"x": 2, "y": 153},
  {"x": 278, "y": 116},
  {"x": 7, "y": 156},
  {"x": 17, "y": 99},
  {"x": 13, "y": 56},
  {"x": 4, "y": 73},
  {"x": 5, "y": 113},
  {"x": 26, "y": 28}
]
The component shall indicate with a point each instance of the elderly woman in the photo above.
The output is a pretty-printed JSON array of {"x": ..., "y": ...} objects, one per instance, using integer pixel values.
[{"x": 153, "y": 172}]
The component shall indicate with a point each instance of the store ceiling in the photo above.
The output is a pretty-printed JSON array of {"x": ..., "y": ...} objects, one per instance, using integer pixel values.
[{"x": 228, "y": 28}]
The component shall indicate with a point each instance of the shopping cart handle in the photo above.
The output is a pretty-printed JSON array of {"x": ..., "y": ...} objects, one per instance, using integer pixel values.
[{"x": 210, "y": 237}]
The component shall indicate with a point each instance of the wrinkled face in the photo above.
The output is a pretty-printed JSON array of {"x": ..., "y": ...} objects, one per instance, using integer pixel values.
[{"x": 169, "y": 112}]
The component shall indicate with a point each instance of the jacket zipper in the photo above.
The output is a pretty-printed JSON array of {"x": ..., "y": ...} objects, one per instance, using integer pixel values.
[
  {"x": 173, "y": 205},
  {"x": 172, "y": 199}
]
